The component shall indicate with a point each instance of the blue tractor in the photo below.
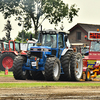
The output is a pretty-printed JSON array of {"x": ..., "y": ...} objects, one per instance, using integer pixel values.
[{"x": 50, "y": 59}]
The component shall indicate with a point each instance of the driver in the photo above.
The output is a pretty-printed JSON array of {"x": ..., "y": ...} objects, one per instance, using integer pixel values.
[{"x": 53, "y": 42}]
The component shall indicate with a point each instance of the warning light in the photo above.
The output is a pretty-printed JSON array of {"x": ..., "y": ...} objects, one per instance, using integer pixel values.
[
  {"x": 97, "y": 29},
  {"x": 85, "y": 36},
  {"x": 35, "y": 58}
]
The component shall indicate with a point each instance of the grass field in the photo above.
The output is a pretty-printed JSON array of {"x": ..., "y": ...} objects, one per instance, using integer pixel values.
[
  {"x": 44, "y": 84},
  {"x": 2, "y": 74}
]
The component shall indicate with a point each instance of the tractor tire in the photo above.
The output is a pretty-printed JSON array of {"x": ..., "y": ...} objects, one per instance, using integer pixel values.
[
  {"x": 76, "y": 66},
  {"x": 18, "y": 73},
  {"x": 65, "y": 62},
  {"x": 6, "y": 60},
  {"x": 88, "y": 75},
  {"x": 52, "y": 69},
  {"x": 37, "y": 75}
]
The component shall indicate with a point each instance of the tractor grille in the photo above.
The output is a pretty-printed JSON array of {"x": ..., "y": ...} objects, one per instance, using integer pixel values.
[
  {"x": 37, "y": 54},
  {"x": 54, "y": 52}
]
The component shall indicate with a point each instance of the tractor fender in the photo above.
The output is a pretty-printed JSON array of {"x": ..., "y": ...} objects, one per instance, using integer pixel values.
[
  {"x": 15, "y": 52},
  {"x": 65, "y": 50}
]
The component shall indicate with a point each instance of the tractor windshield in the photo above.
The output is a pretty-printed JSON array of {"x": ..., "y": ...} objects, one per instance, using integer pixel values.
[
  {"x": 95, "y": 46},
  {"x": 30, "y": 45},
  {"x": 6, "y": 46},
  {"x": 17, "y": 46},
  {"x": 48, "y": 40}
]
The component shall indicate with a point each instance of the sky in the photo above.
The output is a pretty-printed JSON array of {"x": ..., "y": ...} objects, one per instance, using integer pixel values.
[{"x": 89, "y": 13}]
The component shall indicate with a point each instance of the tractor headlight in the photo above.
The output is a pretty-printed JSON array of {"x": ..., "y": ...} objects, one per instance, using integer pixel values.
[{"x": 40, "y": 49}]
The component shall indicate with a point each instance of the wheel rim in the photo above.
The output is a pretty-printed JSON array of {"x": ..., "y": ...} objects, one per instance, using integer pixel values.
[
  {"x": 56, "y": 69},
  {"x": 88, "y": 75},
  {"x": 7, "y": 62},
  {"x": 79, "y": 68}
]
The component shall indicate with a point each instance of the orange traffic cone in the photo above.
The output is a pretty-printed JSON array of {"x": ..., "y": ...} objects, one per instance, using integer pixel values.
[{"x": 6, "y": 71}]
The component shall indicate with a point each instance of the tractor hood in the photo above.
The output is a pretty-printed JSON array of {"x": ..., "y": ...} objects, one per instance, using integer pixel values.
[{"x": 45, "y": 49}]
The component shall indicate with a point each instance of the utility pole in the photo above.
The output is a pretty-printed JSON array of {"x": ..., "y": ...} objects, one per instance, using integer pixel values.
[{"x": 22, "y": 30}]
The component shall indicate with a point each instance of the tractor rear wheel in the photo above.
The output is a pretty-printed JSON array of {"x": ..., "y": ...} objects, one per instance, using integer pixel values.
[
  {"x": 76, "y": 66},
  {"x": 18, "y": 73},
  {"x": 6, "y": 60},
  {"x": 52, "y": 69},
  {"x": 65, "y": 62},
  {"x": 88, "y": 75}
]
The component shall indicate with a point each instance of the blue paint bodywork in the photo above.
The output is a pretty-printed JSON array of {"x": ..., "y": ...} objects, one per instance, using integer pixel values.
[{"x": 44, "y": 51}]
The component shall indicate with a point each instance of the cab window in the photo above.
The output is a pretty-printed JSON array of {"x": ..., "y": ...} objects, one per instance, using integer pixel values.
[{"x": 60, "y": 41}]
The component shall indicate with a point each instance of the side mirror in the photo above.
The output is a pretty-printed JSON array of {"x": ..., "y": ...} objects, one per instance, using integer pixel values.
[
  {"x": 30, "y": 37},
  {"x": 66, "y": 37}
]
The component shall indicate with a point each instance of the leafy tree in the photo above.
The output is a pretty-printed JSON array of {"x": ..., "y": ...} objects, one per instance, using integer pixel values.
[
  {"x": 36, "y": 11},
  {"x": 4, "y": 38},
  {"x": 26, "y": 35},
  {"x": 8, "y": 29}
]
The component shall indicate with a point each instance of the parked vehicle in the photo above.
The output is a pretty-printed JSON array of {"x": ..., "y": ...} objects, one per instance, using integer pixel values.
[
  {"x": 9, "y": 49},
  {"x": 50, "y": 59},
  {"x": 91, "y": 63}
]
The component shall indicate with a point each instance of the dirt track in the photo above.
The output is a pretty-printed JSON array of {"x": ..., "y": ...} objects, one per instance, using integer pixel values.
[{"x": 47, "y": 93}]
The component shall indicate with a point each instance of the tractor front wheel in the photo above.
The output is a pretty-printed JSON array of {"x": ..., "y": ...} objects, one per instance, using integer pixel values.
[
  {"x": 52, "y": 69},
  {"x": 18, "y": 73}
]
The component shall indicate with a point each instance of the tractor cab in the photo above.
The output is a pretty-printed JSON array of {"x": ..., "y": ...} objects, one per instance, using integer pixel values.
[
  {"x": 94, "y": 48},
  {"x": 94, "y": 52},
  {"x": 47, "y": 39},
  {"x": 10, "y": 45},
  {"x": 50, "y": 42}
]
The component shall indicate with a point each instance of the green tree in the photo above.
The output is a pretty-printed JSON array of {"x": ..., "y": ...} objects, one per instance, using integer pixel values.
[
  {"x": 8, "y": 29},
  {"x": 36, "y": 11},
  {"x": 26, "y": 35}
]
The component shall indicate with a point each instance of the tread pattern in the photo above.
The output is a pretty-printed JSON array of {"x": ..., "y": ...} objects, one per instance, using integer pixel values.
[
  {"x": 17, "y": 68},
  {"x": 65, "y": 62},
  {"x": 73, "y": 66},
  {"x": 49, "y": 69}
]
